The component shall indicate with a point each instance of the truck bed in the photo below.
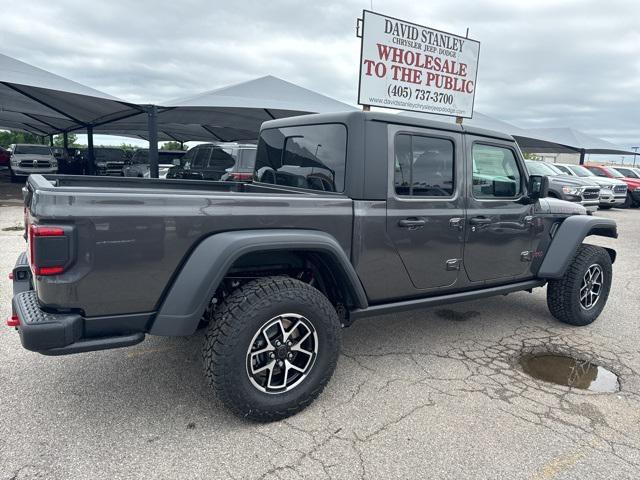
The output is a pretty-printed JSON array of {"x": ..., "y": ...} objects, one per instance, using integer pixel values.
[{"x": 132, "y": 235}]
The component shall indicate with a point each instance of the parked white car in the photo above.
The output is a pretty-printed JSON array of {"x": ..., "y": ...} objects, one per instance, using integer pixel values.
[{"x": 28, "y": 158}]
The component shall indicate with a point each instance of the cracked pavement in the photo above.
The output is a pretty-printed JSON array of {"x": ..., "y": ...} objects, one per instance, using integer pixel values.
[{"x": 435, "y": 393}]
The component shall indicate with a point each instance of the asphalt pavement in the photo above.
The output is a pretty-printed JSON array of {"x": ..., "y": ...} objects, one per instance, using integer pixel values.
[{"x": 435, "y": 393}]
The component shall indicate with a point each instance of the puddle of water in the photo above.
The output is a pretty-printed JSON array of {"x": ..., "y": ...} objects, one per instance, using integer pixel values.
[{"x": 570, "y": 372}]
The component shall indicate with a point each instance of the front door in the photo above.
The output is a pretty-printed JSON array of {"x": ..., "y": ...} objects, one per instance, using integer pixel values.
[
  {"x": 499, "y": 222},
  {"x": 425, "y": 205}
]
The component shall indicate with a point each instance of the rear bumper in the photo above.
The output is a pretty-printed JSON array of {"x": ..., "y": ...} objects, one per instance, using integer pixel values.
[{"x": 55, "y": 333}]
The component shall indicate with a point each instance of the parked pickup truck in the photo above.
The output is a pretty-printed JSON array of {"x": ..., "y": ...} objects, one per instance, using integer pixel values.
[{"x": 350, "y": 215}]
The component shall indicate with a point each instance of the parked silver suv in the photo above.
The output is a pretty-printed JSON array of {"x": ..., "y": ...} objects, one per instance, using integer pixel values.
[{"x": 28, "y": 158}]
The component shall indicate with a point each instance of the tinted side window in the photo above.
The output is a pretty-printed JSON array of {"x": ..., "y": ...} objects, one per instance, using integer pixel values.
[
  {"x": 597, "y": 171},
  {"x": 200, "y": 160},
  {"x": 311, "y": 156},
  {"x": 495, "y": 172},
  {"x": 423, "y": 166},
  {"x": 221, "y": 159}
]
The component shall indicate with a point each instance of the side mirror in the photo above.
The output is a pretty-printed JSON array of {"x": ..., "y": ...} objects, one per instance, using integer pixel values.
[
  {"x": 504, "y": 188},
  {"x": 176, "y": 162},
  {"x": 538, "y": 186}
]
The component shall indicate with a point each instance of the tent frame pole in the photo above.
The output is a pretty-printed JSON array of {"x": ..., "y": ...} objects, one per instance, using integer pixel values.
[
  {"x": 152, "y": 123},
  {"x": 91, "y": 164}
]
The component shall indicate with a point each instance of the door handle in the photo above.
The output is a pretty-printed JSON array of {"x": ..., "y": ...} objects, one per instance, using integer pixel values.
[
  {"x": 412, "y": 223},
  {"x": 479, "y": 221}
]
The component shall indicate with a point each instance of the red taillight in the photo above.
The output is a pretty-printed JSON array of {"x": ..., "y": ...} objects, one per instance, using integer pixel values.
[
  {"x": 241, "y": 176},
  {"x": 13, "y": 321},
  {"x": 41, "y": 231},
  {"x": 38, "y": 231}
]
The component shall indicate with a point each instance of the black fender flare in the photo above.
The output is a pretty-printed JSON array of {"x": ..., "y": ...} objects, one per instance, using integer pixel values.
[
  {"x": 192, "y": 289},
  {"x": 568, "y": 238}
]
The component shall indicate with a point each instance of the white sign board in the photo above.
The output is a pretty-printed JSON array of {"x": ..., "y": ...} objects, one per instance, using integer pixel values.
[{"x": 411, "y": 67}]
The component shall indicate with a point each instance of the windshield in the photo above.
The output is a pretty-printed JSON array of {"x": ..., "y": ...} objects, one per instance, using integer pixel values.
[
  {"x": 32, "y": 149},
  {"x": 613, "y": 172},
  {"x": 580, "y": 171},
  {"x": 540, "y": 168}
]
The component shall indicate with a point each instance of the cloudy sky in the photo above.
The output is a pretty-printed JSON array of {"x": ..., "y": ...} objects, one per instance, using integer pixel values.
[{"x": 542, "y": 62}]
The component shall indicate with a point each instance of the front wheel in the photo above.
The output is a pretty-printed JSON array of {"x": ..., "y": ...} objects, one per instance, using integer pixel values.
[
  {"x": 580, "y": 295},
  {"x": 271, "y": 348},
  {"x": 628, "y": 202}
]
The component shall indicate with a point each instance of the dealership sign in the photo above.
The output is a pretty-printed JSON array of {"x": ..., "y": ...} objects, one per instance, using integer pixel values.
[{"x": 411, "y": 67}]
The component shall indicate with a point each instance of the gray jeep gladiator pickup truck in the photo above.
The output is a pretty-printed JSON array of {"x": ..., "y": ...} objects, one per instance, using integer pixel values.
[{"x": 349, "y": 215}]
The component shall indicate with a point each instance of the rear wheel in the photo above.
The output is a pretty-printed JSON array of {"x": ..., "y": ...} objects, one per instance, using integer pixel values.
[
  {"x": 271, "y": 348},
  {"x": 580, "y": 295}
]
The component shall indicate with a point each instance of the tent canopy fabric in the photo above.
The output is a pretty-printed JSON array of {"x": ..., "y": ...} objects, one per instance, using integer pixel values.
[
  {"x": 479, "y": 120},
  {"x": 269, "y": 93},
  {"x": 49, "y": 103},
  {"x": 236, "y": 112},
  {"x": 538, "y": 140},
  {"x": 574, "y": 140}
]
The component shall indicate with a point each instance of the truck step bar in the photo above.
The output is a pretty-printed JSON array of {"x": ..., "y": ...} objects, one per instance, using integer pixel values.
[{"x": 405, "y": 305}]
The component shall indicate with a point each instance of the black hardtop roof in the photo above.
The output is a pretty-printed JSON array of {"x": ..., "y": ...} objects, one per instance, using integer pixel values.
[{"x": 410, "y": 120}]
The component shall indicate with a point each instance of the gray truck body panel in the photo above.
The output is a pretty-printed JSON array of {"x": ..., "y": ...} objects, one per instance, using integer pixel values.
[{"x": 150, "y": 253}]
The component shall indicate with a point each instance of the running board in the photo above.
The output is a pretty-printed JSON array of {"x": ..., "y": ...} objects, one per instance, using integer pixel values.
[{"x": 405, "y": 305}]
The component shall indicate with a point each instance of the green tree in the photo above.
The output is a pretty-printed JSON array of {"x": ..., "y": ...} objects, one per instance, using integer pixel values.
[
  {"x": 531, "y": 156},
  {"x": 72, "y": 139},
  {"x": 171, "y": 146},
  {"x": 8, "y": 137}
]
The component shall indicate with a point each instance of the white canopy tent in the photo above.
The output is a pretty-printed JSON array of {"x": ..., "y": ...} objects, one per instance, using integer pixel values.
[
  {"x": 40, "y": 102},
  {"x": 569, "y": 139},
  {"x": 235, "y": 112},
  {"x": 540, "y": 140}
]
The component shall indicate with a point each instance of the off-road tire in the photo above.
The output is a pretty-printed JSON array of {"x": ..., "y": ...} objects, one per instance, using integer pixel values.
[
  {"x": 235, "y": 322},
  {"x": 563, "y": 295},
  {"x": 604, "y": 207}
]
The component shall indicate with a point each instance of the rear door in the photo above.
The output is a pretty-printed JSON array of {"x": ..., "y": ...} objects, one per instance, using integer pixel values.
[
  {"x": 198, "y": 168},
  {"x": 499, "y": 221},
  {"x": 425, "y": 204},
  {"x": 220, "y": 160}
]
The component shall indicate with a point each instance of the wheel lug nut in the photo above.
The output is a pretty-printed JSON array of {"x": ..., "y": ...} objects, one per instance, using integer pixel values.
[
  {"x": 277, "y": 343},
  {"x": 290, "y": 356},
  {"x": 272, "y": 355},
  {"x": 280, "y": 363},
  {"x": 289, "y": 343}
]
